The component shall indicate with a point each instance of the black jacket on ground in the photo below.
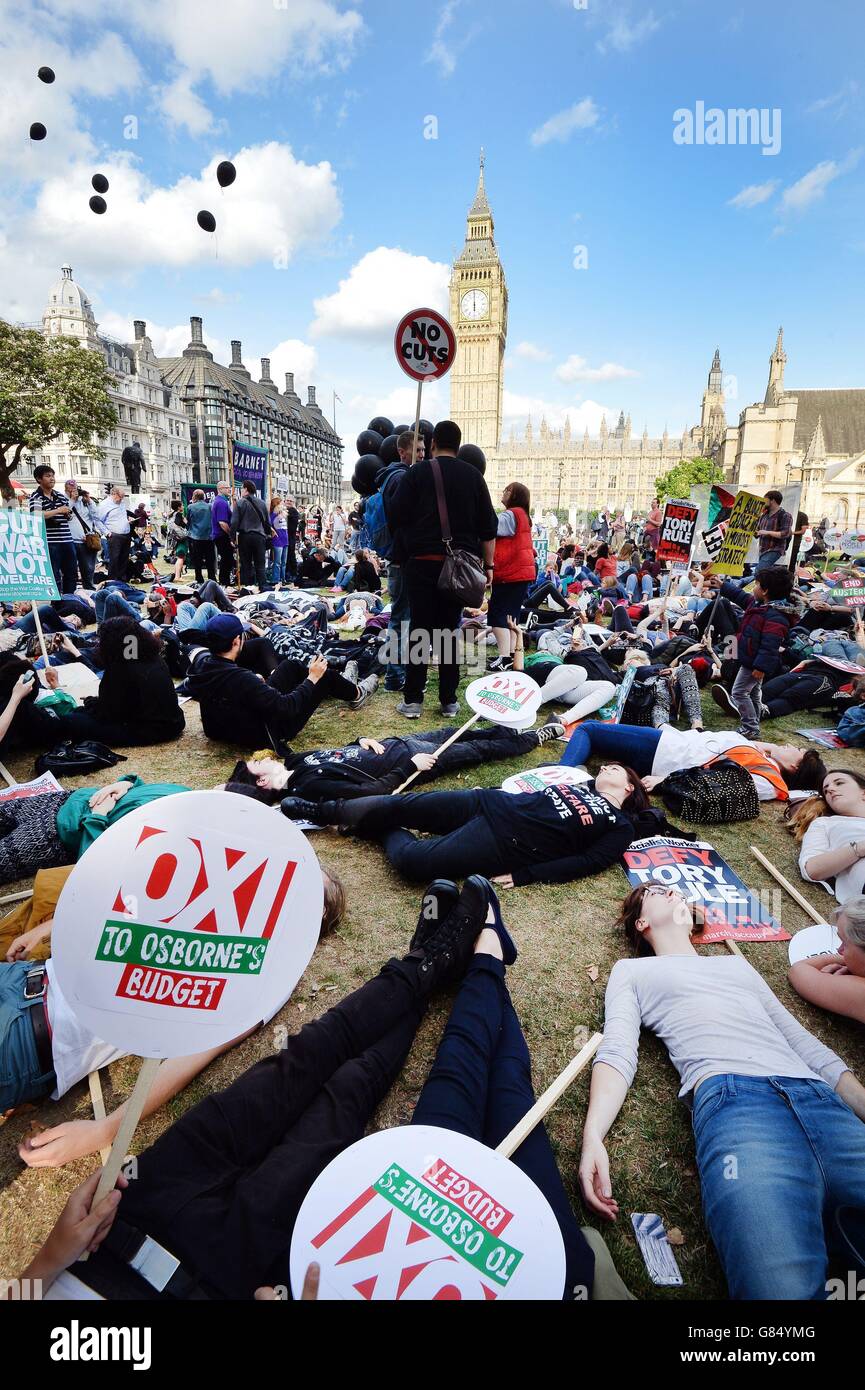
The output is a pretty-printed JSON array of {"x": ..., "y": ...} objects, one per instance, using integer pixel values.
[
  {"x": 238, "y": 707},
  {"x": 413, "y": 511}
]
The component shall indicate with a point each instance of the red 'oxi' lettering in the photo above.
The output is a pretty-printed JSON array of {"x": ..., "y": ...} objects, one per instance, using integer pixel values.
[{"x": 169, "y": 987}]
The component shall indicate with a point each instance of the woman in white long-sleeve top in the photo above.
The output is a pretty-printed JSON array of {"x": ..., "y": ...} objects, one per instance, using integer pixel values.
[{"x": 777, "y": 1116}]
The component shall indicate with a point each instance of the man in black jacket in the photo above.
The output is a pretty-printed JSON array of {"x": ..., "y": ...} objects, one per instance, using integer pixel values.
[
  {"x": 238, "y": 706},
  {"x": 413, "y": 514}
]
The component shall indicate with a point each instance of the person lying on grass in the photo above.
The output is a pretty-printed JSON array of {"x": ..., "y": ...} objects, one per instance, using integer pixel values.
[
  {"x": 370, "y": 766},
  {"x": 550, "y": 836},
  {"x": 44, "y": 1050},
  {"x": 777, "y": 1117},
  {"x": 221, "y": 1188},
  {"x": 837, "y": 982},
  {"x": 831, "y": 828}
]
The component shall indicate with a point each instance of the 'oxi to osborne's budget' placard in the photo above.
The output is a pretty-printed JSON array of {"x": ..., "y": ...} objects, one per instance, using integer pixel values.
[
  {"x": 427, "y": 1214},
  {"x": 186, "y": 923},
  {"x": 537, "y": 779},
  {"x": 505, "y": 697}
]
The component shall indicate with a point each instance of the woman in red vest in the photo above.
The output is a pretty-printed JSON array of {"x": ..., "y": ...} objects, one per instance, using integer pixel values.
[{"x": 513, "y": 570}]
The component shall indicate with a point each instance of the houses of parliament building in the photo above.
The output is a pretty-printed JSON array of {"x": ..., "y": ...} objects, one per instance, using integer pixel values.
[{"x": 813, "y": 436}]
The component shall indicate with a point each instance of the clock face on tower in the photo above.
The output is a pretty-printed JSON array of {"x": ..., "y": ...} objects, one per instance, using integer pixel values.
[{"x": 474, "y": 304}]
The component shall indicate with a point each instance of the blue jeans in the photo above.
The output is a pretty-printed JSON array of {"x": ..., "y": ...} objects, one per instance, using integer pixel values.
[
  {"x": 21, "y": 1076},
  {"x": 50, "y": 619},
  {"x": 480, "y": 1085},
  {"x": 394, "y": 676},
  {"x": 188, "y": 616},
  {"x": 626, "y": 743},
  {"x": 769, "y": 557},
  {"x": 778, "y": 1156},
  {"x": 647, "y": 588},
  {"x": 277, "y": 569},
  {"x": 342, "y": 574},
  {"x": 110, "y": 603},
  {"x": 64, "y": 563}
]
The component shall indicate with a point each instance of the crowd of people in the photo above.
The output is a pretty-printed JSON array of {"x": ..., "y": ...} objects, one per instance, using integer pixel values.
[{"x": 292, "y": 609}]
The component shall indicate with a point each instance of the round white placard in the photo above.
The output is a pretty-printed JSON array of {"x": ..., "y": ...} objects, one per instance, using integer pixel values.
[
  {"x": 188, "y": 922},
  {"x": 427, "y": 1214},
  {"x": 510, "y": 698},
  {"x": 819, "y": 940},
  {"x": 536, "y": 779}
]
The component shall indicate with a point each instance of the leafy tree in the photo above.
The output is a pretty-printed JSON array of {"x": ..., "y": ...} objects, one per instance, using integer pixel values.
[
  {"x": 687, "y": 473},
  {"x": 49, "y": 387}
]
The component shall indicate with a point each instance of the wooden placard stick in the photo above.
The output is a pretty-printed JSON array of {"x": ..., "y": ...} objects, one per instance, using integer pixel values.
[
  {"x": 97, "y": 1100},
  {"x": 134, "y": 1106},
  {"x": 532, "y": 1117},
  {"x": 8, "y": 775},
  {"x": 794, "y": 892},
  {"x": 733, "y": 948},
  {"x": 38, "y": 621},
  {"x": 447, "y": 743},
  {"x": 416, "y": 423},
  {"x": 16, "y": 897}
]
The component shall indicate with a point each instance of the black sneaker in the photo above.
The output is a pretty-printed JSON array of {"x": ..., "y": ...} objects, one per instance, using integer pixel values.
[
  {"x": 501, "y": 663},
  {"x": 440, "y": 898},
  {"x": 547, "y": 732},
  {"x": 448, "y": 950},
  {"x": 724, "y": 700},
  {"x": 296, "y": 808}
]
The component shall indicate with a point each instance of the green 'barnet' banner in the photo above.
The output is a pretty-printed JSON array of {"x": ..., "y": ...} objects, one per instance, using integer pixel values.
[{"x": 25, "y": 564}]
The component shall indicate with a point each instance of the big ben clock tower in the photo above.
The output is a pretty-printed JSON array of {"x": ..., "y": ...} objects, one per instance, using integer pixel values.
[{"x": 479, "y": 315}]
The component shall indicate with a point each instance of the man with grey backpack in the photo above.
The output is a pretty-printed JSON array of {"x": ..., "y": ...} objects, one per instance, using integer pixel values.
[
  {"x": 251, "y": 528},
  {"x": 446, "y": 527}
]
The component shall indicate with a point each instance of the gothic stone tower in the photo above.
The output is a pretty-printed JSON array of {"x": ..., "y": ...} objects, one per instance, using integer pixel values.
[
  {"x": 713, "y": 422},
  {"x": 479, "y": 314}
]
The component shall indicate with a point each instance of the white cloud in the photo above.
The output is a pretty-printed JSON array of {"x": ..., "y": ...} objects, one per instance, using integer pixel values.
[
  {"x": 183, "y": 107},
  {"x": 622, "y": 34},
  {"x": 836, "y": 102},
  {"x": 753, "y": 195},
  {"x": 517, "y": 408},
  {"x": 381, "y": 287},
  {"x": 812, "y": 186},
  {"x": 167, "y": 341},
  {"x": 583, "y": 115},
  {"x": 236, "y": 44},
  {"x": 532, "y": 353},
  {"x": 293, "y": 355},
  {"x": 446, "y": 47},
  {"x": 577, "y": 369}
]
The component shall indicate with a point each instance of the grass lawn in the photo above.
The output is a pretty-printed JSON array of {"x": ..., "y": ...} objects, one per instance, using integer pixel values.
[{"x": 567, "y": 948}]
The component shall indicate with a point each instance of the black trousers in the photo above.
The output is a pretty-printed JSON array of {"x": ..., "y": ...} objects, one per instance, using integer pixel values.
[
  {"x": 118, "y": 555},
  {"x": 225, "y": 556},
  {"x": 202, "y": 556},
  {"x": 253, "y": 558},
  {"x": 486, "y": 745},
  {"x": 291, "y": 555},
  {"x": 726, "y": 621},
  {"x": 551, "y": 591},
  {"x": 434, "y": 622},
  {"x": 222, "y": 1187},
  {"x": 462, "y": 840},
  {"x": 806, "y": 690}
]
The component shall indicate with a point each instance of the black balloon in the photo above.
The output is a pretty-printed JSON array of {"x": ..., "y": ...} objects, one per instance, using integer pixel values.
[
  {"x": 368, "y": 442},
  {"x": 45, "y": 74},
  {"x": 366, "y": 468},
  {"x": 389, "y": 453},
  {"x": 401, "y": 429},
  {"x": 426, "y": 429},
  {"x": 206, "y": 221},
  {"x": 382, "y": 425},
  {"x": 38, "y": 131},
  {"x": 100, "y": 183},
  {"x": 361, "y": 485},
  {"x": 225, "y": 173},
  {"x": 472, "y": 454},
  {"x": 98, "y": 204}
]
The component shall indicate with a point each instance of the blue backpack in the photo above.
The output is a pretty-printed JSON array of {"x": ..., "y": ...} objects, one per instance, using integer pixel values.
[
  {"x": 851, "y": 727},
  {"x": 375, "y": 532}
]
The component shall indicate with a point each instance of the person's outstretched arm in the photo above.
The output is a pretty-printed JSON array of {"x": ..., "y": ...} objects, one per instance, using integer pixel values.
[
  {"x": 606, "y": 1098},
  {"x": 80, "y": 1226}
]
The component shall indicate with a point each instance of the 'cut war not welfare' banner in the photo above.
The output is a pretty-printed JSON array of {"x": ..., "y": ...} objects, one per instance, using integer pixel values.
[
  {"x": 25, "y": 564},
  {"x": 732, "y": 912}
]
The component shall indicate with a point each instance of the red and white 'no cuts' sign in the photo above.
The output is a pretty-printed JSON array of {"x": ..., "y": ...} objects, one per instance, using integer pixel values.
[{"x": 425, "y": 345}]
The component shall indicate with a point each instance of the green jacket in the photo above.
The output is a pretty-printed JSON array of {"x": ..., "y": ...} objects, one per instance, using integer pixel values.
[{"x": 78, "y": 826}]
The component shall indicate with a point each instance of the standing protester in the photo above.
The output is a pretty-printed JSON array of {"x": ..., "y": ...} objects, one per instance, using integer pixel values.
[
  {"x": 652, "y": 528},
  {"x": 220, "y": 532},
  {"x": 250, "y": 524},
  {"x": 388, "y": 483},
  {"x": 280, "y": 541},
  {"x": 56, "y": 511},
  {"x": 769, "y": 615},
  {"x": 114, "y": 517},
  {"x": 414, "y": 512},
  {"x": 82, "y": 523},
  {"x": 802, "y": 526},
  {"x": 774, "y": 530},
  {"x": 514, "y": 569},
  {"x": 292, "y": 521},
  {"x": 200, "y": 523}
]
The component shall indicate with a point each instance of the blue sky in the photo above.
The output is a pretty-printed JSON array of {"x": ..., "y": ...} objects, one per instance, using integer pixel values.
[{"x": 343, "y": 215}]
